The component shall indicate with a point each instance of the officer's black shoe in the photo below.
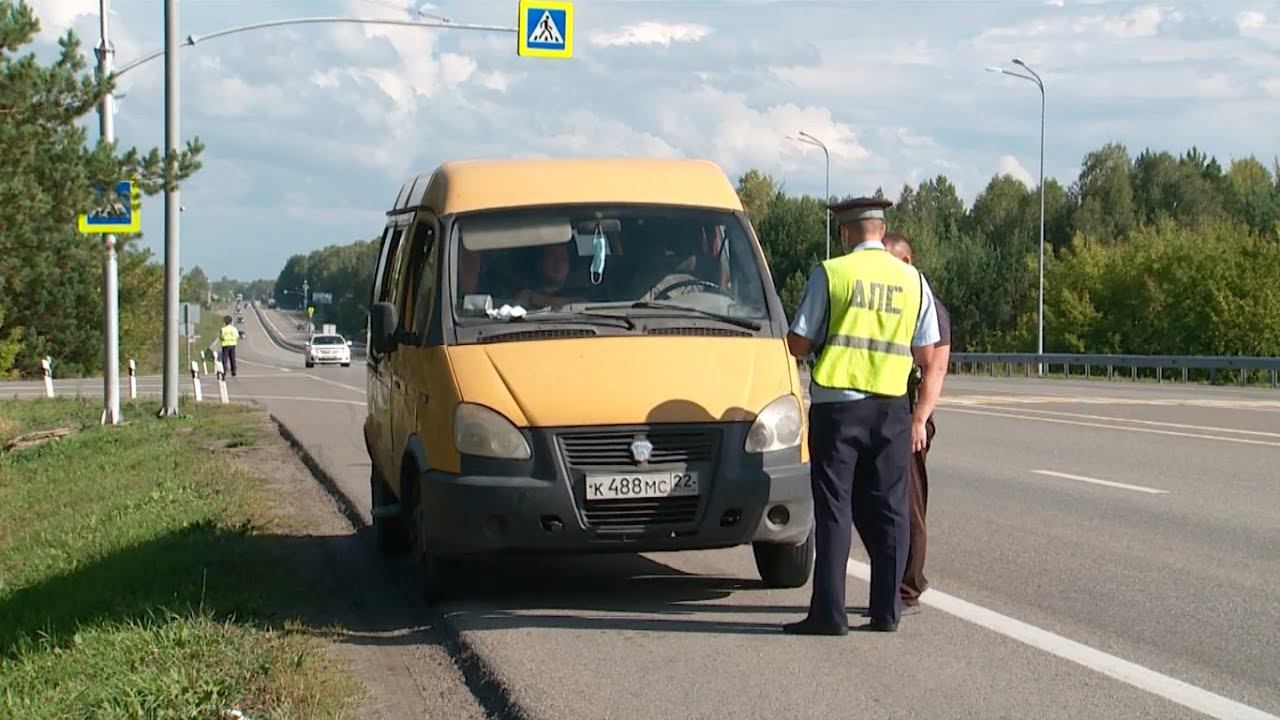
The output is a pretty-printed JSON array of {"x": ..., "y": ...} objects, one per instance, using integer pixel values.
[
  {"x": 810, "y": 627},
  {"x": 878, "y": 626}
]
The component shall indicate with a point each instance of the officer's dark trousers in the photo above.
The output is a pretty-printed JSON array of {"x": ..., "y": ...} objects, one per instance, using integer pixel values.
[
  {"x": 229, "y": 359},
  {"x": 859, "y": 452}
]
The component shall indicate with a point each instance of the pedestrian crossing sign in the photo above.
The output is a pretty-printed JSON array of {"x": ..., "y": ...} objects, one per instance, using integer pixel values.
[
  {"x": 545, "y": 29},
  {"x": 119, "y": 211}
]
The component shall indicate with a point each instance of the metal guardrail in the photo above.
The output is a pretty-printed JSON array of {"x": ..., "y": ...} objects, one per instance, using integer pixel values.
[{"x": 1177, "y": 365}]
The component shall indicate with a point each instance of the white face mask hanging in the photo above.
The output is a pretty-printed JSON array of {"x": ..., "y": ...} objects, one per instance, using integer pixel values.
[{"x": 600, "y": 250}]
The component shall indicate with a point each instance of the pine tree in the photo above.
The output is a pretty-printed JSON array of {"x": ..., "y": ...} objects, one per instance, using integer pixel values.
[{"x": 50, "y": 285}]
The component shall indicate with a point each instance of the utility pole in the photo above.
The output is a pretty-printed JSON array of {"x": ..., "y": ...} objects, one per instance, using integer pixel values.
[
  {"x": 110, "y": 292},
  {"x": 171, "y": 210}
]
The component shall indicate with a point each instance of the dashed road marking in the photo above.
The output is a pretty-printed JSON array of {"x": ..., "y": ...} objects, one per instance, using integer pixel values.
[{"x": 1108, "y": 483}]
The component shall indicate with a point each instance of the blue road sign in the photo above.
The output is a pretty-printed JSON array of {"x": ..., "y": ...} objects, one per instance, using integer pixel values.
[
  {"x": 545, "y": 29},
  {"x": 119, "y": 211}
]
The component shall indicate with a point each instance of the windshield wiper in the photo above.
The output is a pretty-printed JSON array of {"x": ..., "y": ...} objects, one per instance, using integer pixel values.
[
  {"x": 576, "y": 316},
  {"x": 659, "y": 305}
]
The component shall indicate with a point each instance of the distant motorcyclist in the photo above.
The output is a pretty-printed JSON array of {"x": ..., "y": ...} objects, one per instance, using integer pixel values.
[{"x": 229, "y": 336}]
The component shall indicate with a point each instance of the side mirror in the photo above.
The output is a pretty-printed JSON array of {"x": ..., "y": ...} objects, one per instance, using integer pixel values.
[
  {"x": 349, "y": 343},
  {"x": 383, "y": 322}
]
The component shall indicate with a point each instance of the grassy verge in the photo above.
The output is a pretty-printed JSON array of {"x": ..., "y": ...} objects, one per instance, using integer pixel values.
[{"x": 142, "y": 573}]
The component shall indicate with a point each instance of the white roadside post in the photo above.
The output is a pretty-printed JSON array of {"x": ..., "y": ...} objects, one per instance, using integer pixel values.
[
  {"x": 133, "y": 379},
  {"x": 204, "y": 362},
  {"x": 46, "y": 364},
  {"x": 195, "y": 382},
  {"x": 222, "y": 380}
]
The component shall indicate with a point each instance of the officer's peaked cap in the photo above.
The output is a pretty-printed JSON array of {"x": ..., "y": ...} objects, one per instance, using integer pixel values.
[{"x": 863, "y": 208}]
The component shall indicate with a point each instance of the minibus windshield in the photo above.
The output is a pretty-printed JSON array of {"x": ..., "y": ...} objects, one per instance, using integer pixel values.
[{"x": 584, "y": 260}]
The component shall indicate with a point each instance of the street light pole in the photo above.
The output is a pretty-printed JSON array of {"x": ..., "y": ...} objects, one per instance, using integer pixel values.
[
  {"x": 1035, "y": 78},
  {"x": 193, "y": 39},
  {"x": 110, "y": 272},
  {"x": 171, "y": 210},
  {"x": 808, "y": 139}
]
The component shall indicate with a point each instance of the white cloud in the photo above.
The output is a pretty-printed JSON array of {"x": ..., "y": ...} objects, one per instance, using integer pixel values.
[
  {"x": 1141, "y": 22},
  {"x": 1251, "y": 20},
  {"x": 651, "y": 33},
  {"x": 57, "y": 16},
  {"x": 1009, "y": 165},
  {"x": 341, "y": 115}
]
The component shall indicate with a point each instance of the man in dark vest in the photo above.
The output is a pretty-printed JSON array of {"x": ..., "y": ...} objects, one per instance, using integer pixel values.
[{"x": 913, "y": 580}]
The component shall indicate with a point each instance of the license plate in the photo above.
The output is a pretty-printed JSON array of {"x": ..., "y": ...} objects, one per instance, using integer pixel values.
[{"x": 642, "y": 485}]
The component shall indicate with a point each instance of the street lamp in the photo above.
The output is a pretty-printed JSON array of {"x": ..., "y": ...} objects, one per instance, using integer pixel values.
[
  {"x": 172, "y": 206},
  {"x": 1035, "y": 78},
  {"x": 808, "y": 139}
]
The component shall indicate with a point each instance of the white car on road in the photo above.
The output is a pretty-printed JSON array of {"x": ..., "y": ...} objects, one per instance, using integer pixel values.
[{"x": 328, "y": 349}]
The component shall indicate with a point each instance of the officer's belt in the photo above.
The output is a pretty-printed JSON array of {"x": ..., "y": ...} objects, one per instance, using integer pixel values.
[{"x": 865, "y": 343}]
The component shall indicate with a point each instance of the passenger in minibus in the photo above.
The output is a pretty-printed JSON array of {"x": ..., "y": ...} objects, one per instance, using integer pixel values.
[{"x": 550, "y": 286}]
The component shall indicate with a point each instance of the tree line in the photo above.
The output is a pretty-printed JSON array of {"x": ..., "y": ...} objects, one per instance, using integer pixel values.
[
  {"x": 345, "y": 272},
  {"x": 1153, "y": 254},
  {"x": 196, "y": 287},
  {"x": 50, "y": 275}
]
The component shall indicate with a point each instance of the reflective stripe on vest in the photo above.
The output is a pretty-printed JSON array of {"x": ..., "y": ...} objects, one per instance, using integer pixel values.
[
  {"x": 229, "y": 335},
  {"x": 875, "y": 301}
]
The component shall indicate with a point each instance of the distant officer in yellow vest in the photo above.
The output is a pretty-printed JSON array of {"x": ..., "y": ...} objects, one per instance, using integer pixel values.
[
  {"x": 228, "y": 336},
  {"x": 866, "y": 316}
]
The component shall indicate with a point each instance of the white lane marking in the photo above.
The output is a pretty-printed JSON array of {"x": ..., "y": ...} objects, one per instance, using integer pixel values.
[
  {"x": 1169, "y": 688},
  {"x": 1153, "y": 431},
  {"x": 1183, "y": 426},
  {"x": 335, "y": 382},
  {"x": 265, "y": 365},
  {"x": 307, "y": 399},
  {"x": 1108, "y": 483}
]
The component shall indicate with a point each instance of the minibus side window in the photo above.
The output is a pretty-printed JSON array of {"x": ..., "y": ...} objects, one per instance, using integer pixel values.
[
  {"x": 375, "y": 288},
  {"x": 384, "y": 282},
  {"x": 393, "y": 289},
  {"x": 423, "y": 280}
]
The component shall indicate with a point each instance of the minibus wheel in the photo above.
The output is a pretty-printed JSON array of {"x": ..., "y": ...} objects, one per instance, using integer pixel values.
[
  {"x": 388, "y": 530},
  {"x": 436, "y": 575},
  {"x": 784, "y": 566}
]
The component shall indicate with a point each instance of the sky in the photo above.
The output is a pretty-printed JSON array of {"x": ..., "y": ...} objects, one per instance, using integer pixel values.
[{"x": 311, "y": 130}]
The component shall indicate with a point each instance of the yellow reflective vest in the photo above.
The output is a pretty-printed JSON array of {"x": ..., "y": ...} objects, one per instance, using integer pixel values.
[
  {"x": 229, "y": 335},
  {"x": 875, "y": 302}
]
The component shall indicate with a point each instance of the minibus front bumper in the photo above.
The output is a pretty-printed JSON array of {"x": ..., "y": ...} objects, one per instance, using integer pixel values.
[{"x": 543, "y": 506}]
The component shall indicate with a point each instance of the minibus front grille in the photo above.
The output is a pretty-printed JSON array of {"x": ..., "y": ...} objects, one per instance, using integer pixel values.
[
  {"x": 613, "y": 449},
  {"x": 640, "y": 513}
]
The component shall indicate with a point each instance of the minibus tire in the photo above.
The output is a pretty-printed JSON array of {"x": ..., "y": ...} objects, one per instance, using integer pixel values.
[
  {"x": 784, "y": 566},
  {"x": 389, "y": 532}
]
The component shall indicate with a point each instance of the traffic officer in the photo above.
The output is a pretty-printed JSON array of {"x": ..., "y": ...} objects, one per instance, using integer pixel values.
[
  {"x": 228, "y": 336},
  {"x": 864, "y": 315},
  {"x": 914, "y": 583}
]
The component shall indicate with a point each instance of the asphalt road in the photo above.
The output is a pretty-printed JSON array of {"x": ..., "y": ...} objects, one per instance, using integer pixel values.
[{"x": 1096, "y": 550}]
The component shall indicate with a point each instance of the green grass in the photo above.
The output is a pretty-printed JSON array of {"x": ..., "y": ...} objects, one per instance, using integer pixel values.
[{"x": 141, "y": 574}]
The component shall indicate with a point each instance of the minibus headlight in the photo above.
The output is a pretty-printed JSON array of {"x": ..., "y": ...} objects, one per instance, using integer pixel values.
[
  {"x": 777, "y": 427},
  {"x": 477, "y": 430}
]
